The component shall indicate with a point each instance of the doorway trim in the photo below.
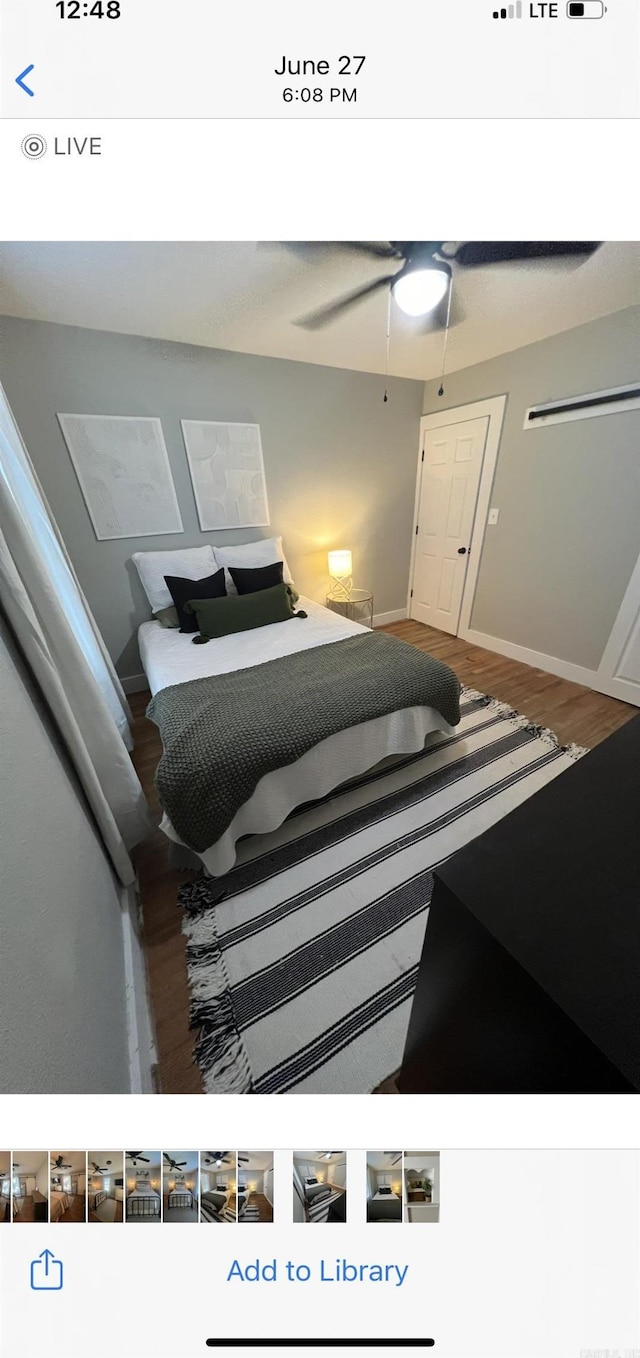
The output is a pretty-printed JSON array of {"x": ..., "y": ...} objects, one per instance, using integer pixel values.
[{"x": 494, "y": 408}]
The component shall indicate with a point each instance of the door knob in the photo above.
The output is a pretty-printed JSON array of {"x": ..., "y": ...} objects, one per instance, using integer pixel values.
[{"x": 461, "y": 551}]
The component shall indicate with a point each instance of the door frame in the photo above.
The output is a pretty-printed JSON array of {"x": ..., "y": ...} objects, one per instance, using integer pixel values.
[{"x": 494, "y": 408}]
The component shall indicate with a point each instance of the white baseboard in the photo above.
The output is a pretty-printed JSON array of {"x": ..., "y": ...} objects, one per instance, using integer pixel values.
[
  {"x": 396, "y": 615},
  {"x": 135, "y": 683},
  {"x": 142, "y": 1050},
  {"x": 551, "y": 664}
]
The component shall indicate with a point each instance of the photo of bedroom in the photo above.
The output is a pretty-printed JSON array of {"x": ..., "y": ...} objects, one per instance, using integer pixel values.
[
  {"x": 30, "y": 1180},
  {"x": 319, "y": 1186},
  {"x": 243, "y": 522},
  {"x": 5, "y": 1186},
  {"x": 421, "y": 1186},
  {"x": 68, "y": 1186},
  {"x": 218, "y": 1182},
  {"x": 384, "y": 1186},
  {"x": 255, "y": 1186},
  {"x": 180, "y": 1185},
  {"x": 143, "y": 1183},
  {"x": 106, "y": 1185}
]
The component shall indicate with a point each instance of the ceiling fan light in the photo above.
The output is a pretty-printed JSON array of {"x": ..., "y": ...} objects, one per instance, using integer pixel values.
[{"x": 418, "y": 291}]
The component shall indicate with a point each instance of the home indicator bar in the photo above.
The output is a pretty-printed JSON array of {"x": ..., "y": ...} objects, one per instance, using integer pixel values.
[{"x": 321, "y": 1343}]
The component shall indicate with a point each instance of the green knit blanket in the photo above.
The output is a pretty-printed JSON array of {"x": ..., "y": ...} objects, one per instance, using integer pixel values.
[{"x": 222, "y": 734}]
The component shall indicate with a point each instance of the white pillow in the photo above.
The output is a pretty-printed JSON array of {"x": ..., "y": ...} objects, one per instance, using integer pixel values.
[
  {"x": 194, "y": 563},
  {"x": 248, "y": 554}
]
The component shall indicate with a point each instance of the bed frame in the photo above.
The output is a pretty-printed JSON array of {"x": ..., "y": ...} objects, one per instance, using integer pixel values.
[
  {"x": 143, "y": 1207},
  {"x": 178, "y": 1199},
  {"x": 98, "y": 1197}
]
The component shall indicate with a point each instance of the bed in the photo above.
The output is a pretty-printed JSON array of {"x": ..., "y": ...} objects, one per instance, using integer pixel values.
[
  {"x": 385, "y": 1205},
  {"x": 314, "y": 1191},
  {"x": 96, "y": 1198},
  {"x": 170, "y": 659},
  {"x": 58, "y": 1205},
  {"x": 213, "y": 1203},
  {"x": 181, "y": 1197},
  {"x": 143, "y": 1202}
]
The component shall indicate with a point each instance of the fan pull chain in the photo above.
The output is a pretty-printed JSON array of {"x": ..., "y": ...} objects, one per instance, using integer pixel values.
[
  {"x": 386, "y": 370},
  {"x": 446, "y": 341}
]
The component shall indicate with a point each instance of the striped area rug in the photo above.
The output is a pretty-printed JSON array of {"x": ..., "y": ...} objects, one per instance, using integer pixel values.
[
  {"x": 250, "y": 1214},
  {"x": 319, "y": 1211},
  {"x": 302, "y": 974}
]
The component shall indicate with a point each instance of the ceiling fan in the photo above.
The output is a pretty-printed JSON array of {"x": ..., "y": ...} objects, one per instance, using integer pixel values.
[
  {"x": 101, "y": 1169},
  {"x": 174, "y": 1164},
  {"x": 134, "y": 1156},
  {"x": 58, "y": 1163},
  {"x": 326, "y": 1155},
  {"x": 216, "y": 1158},
  {"x": 422, "y": 278}
]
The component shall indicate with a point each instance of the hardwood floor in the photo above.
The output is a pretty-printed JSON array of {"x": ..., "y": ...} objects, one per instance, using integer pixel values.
[
  {"x": 77, "y": 1210},
  {"x": 28, "y": 1208},
  {"x": 265, "y": 1210},
  {"x": 576, "y": 715}
]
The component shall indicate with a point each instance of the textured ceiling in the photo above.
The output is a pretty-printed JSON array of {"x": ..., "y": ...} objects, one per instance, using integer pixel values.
[{"x": 244, "y": 296}]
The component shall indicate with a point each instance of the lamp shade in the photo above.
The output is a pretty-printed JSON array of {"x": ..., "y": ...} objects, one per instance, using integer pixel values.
[{"x": 340, "y": 564}]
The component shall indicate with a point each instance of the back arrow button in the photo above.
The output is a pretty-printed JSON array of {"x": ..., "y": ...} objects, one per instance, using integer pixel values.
[{"x": 20, "y": 79}]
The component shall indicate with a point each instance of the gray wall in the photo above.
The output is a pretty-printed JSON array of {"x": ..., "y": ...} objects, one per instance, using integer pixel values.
[
  {"x": 340, "y": 465},
  {"x": 62, "y": 1003},
  {"x": 555, "y": 567}
]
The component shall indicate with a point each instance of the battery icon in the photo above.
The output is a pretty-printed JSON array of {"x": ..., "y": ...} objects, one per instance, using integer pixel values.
[{"x": 587, "y": 9}]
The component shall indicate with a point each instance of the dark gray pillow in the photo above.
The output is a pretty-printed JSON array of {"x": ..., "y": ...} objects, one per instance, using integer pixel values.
[{"x": 182, "y": 590}]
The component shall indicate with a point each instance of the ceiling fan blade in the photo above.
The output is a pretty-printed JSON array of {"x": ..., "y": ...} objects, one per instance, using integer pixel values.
[
  {"x": 474, "y": 253},
  {"x": 308, "y": 249},
  {"x": 314, "y": 320}
]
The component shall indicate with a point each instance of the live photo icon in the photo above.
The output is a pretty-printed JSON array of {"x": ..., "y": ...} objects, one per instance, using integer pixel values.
[{"x": 510, "y": 12}]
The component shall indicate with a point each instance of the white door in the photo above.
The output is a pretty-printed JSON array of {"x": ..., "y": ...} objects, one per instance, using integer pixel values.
[
  {"x": 619, "y": 669},
  {"x": 451, "y": 466}
]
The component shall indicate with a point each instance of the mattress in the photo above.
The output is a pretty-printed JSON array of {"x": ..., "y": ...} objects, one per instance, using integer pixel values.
[
  {"x": 385, "y": 1197},
  {"x": 169, "y": 657}
]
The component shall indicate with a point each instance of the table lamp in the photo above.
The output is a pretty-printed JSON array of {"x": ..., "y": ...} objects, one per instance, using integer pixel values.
[{"x": 340, "y": 569}]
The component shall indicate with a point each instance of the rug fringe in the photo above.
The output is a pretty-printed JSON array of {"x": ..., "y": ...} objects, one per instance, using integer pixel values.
[
  {"x": 509, "y": 713},
  {"x": 219, "y": 1050}
]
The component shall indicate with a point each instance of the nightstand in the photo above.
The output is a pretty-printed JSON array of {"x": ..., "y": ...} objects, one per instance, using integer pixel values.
[{"x": 358, "y": 606}]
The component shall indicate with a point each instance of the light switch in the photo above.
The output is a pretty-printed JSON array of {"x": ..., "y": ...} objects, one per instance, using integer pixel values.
[{"x": 493, "y": 516}]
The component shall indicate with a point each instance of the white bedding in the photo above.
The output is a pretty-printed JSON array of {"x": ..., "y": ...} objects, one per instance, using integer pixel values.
[
  {"x": 169, "y": 657},
  {"x": 385, "y": 1197}
]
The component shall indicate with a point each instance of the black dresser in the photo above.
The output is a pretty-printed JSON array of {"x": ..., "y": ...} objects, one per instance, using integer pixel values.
[{"x": 529, "y": 979}]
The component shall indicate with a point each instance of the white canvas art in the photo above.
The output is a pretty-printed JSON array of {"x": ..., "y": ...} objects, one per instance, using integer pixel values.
[
  {"x": 122, "y": 464},
  {"x": 227, "y": 472}
]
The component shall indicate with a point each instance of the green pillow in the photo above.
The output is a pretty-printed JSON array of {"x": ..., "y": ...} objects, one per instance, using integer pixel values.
[
  {"x": 241, "y": 612},
  {"x": 167, "y": 617}
]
